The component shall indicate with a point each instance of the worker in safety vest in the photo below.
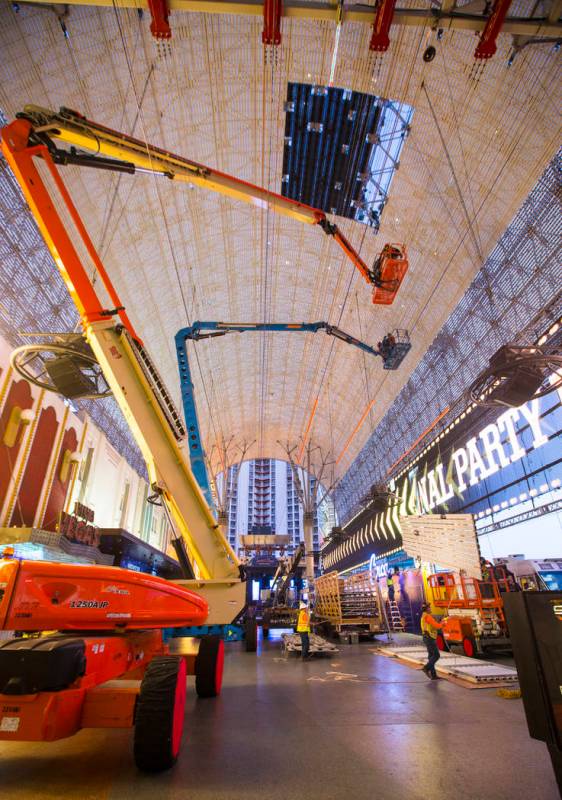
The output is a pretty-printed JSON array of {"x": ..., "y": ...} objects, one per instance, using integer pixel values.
[
  {"x": 303, "y": 627},
  {"x": 429, "y": 627},
  {"x": 390, "y": 587}
]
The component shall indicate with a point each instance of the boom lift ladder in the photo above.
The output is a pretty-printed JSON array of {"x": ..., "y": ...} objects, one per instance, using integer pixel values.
[
  {"x": 140, "y": 392},
  {"x": 121, "y": 153}
]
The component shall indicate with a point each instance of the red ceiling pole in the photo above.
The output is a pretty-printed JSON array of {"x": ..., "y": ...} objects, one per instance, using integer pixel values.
[
  {"x": 380, "y": 40},
  {"x": 159, "y": 27},
  {"x": 272, "y": 11},
  {"x": 487, "y": 44}
]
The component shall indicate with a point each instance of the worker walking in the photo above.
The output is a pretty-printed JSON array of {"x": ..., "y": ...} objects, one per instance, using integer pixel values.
[
  {"x": 429, "y": 627},
  {"x": 303, "y": 627}
]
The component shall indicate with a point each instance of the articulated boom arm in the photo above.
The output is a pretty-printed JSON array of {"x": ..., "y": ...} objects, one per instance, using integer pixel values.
[
  {"x": 130, "y": 373},
  {"x": 222, "y": 328},
  {"x": 393, "y": 349},
  {"x": 119, "y": 152}
]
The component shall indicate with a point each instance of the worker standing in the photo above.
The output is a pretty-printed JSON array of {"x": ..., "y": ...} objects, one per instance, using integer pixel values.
[
  {"x": 303, "y": 627},
  {"x": 390, "y": 587},
  {"x": 429, "y": 627}
]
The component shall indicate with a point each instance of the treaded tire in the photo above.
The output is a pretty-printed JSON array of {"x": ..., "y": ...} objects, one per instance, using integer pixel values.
[
  {"x": 160, "y": 714},
  {"x": 209, "y": 666},
  {"x": 469, "y": 647},
  {"x": 251, "y": 630}
]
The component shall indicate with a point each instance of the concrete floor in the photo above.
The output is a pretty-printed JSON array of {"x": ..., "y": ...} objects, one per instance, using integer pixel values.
[{"x": 357, "y": 727}]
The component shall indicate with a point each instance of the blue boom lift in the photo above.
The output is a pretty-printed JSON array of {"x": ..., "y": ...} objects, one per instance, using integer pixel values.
[{"x": 392, "y": 350}]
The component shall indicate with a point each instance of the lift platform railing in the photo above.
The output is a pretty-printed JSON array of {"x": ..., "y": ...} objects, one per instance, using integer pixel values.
[{"x": 450, "y": 590}]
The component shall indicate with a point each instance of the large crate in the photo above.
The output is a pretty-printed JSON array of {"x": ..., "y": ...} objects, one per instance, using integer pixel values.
[{"x": 352, "y": 602}]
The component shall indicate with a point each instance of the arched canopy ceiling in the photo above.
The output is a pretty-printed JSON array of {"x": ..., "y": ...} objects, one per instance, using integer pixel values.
[{"x": 475, "y": 149}]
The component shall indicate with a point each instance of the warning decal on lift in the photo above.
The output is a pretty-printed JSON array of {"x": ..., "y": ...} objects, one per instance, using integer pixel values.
[{"x": 9, "y": 724}]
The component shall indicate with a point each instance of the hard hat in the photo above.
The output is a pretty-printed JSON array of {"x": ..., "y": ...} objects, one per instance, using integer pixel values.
[{"x": 302, "y": 604}]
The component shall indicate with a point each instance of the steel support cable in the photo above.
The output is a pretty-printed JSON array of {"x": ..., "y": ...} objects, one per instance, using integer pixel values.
[
  {"x": 451, "y": 259},
  {"x": 343, "y": 264},
  {"x": 364, "y": 356},
  {"x": 210, "y": 393},
  {"x": 468, "y": 218},
  {"x": 162, "y": 209},
  {"x": 347, "y": 186},
  {"x": 485, "y": 198},
  {"x": 108, "y": 212},
  {"x": 266, "y": 246},
  {"x": 463, "y": 157}
]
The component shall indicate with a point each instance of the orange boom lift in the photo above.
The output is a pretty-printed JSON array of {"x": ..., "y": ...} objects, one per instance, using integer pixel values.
[
  {"x": 94, "y": 145},
  {"x": 108, "y": 665}
]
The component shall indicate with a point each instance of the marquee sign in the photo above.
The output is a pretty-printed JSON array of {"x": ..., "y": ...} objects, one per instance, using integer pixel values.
[
  {"x": 480, "y": 457},
  {"x": 78, "y": 527},
  {"x": 477, "y": 464}
]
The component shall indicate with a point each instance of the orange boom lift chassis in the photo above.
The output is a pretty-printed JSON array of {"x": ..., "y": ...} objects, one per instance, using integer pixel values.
[{"x": 89, "y": 674}]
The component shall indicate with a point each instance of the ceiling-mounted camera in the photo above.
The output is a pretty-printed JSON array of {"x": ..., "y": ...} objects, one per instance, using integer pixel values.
[{"x": 429, "y": 53}]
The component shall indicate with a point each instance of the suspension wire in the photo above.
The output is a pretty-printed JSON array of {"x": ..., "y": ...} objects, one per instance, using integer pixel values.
[
  {"x": 163, "y": 213},
  {"x": 479, "y": 209},
  {"x": 103, "y": 247},
  {"x": 266, "y": 244},
  {"x": 469, "y": 220},
  {"x": 364, "y": 356},
  {"x": 463, "y": 156}
]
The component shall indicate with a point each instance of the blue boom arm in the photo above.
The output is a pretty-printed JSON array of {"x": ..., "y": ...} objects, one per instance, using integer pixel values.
[{"x": 392, "y": 350}]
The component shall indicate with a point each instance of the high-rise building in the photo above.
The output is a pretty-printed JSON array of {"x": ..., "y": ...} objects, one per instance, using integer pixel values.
[{"x": 263, "y": 499}]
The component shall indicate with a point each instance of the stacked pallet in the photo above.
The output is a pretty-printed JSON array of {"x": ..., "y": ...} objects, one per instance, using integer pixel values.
[
  {"x": 448, "y": 540},
  {"x": 318, "y": 645}
]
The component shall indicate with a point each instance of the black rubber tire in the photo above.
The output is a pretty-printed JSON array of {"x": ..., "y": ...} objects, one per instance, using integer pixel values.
[
  {"x": 209, "y": 660},
  {"x": 251, "y": 631},
  {"x": 160, "y": 705}
]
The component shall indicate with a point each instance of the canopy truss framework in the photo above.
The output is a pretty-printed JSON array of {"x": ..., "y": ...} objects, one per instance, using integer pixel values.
[
  {"x": 514, "y": 297},
  {"x": 177, "y": 254}
]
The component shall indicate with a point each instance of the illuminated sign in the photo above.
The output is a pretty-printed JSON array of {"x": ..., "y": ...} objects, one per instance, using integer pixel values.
[
  {"x": 77, "y": 527},
  {"x": 482, "y": 456},
  {"x": 377, "y": 571}
]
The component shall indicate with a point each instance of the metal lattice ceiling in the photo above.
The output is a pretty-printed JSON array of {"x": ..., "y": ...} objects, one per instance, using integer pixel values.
[{"x": 474, "y": 152}]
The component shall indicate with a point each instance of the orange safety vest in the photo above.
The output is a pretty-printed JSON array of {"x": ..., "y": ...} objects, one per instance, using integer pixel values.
[{"x": 303, "y": 622}]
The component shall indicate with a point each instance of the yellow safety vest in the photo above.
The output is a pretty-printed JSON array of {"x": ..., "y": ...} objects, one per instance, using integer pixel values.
[
  {"x": 426, "y": 627},
  {"x": 303, "y": 622}
]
